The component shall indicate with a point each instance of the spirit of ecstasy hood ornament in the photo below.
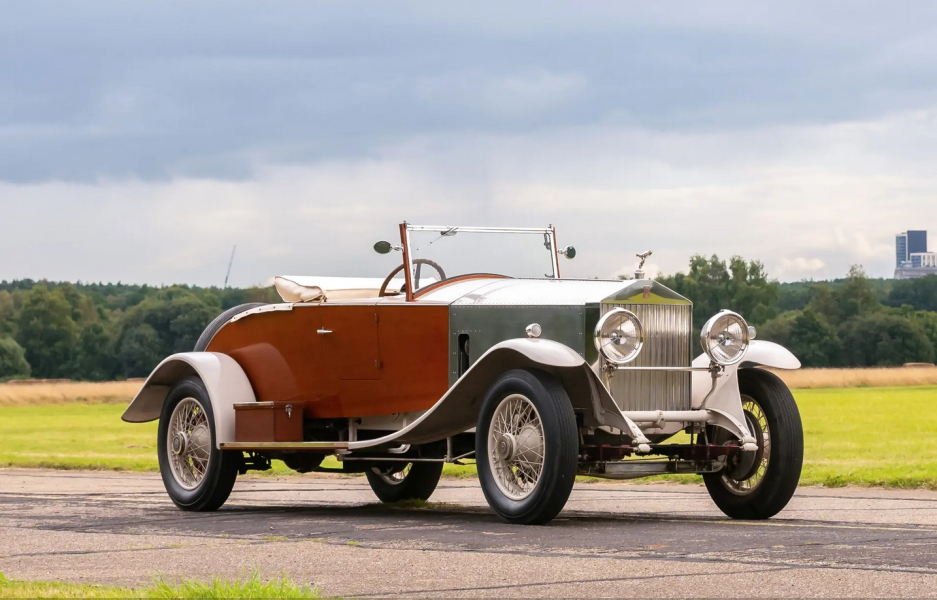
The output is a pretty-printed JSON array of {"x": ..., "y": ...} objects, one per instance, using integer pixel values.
[{"x": 639, "y": 273}]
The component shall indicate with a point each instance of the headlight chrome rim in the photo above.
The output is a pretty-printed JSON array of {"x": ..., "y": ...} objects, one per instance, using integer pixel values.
[
  {"x": 604, "y": 329},
  {"x": 716, "y": 330}
]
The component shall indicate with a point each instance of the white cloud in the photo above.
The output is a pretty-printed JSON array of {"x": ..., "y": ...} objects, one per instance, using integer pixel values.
[
  {"x": 792, "y": 269},
  {"x": 781, "y": 195}
]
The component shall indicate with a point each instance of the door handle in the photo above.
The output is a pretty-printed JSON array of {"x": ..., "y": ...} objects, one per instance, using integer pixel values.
[{"x": 323, "y": 331}]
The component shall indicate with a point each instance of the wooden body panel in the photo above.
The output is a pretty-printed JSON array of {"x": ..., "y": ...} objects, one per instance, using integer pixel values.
[
  {"x": 378, "y": 358},
  {"x": 268, "y": 421}
]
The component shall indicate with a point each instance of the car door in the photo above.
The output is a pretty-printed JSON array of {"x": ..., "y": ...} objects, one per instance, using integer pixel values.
[{"x": 348, "y": 335}]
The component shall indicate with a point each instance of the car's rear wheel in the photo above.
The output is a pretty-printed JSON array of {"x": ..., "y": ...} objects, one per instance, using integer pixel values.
[
  {"x": 526, "y": 447},
  {"x": 404, "y": 481},
  {"x": 197, "y": 475},
  {"x": 761, "y": 488}
]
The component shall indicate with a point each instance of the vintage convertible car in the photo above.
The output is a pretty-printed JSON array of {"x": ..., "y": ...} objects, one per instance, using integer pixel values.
[{"x": 537, "y": 378}]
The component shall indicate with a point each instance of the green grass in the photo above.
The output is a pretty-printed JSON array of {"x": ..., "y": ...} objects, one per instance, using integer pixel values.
[
  {"x": 870, "y": 436},
  {"x": 854, "y": 436},
  {"x": 251, "y": 586}
]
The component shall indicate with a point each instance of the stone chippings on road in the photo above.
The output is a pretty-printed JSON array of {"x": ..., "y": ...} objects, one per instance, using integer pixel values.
[{"x": 611, "y": 541}]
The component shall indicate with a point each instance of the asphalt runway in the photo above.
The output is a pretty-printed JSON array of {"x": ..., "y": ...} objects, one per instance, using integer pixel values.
[{"x": 613, "y": 540}]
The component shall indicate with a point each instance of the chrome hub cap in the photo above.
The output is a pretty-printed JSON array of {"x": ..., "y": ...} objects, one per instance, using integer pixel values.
[
  {"x": 392, "y": 475},
  {"x": 506, "y": 447},
  {"x": 178, "y": 443},
  {"x": 516, "y": 447},
  {"x": 189, "y": 440}
]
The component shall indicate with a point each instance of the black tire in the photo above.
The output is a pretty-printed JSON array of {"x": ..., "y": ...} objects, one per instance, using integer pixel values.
[
  {"x": 222, "y": 470},
  {"x": 220, "y": 321},
  {"x": 786, "y": 453},
  {"x": 560, "y": 447},
  {"x": 418, "y": 484}
]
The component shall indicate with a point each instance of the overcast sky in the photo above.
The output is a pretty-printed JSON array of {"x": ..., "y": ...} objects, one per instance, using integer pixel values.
[{"x": 139, "y": 141}]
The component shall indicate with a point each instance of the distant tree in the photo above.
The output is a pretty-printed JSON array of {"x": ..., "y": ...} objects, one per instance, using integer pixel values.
[
  {"x": 778, "y": 329},
  {"x": 83, "y": 309},
  {"x": 46, "y": 330},
  {"x": 919, "y": 294},
  {"x": 13, "y": 363},
  {"x": 884, "y": 339},
  {"x": 742, "y": 286},
  {"x": 95, "y": 360},
  {"x": 823, "y": 302},
  {"x": 927, "y": 321},
  {"x": 794, "y": 296},
  {"x": 7, "y": 313},
  {"x": 176, "y": 316},
  {"x": 813, "y": 340},
  {"x": 232, "y": 297},
  {"x": 140, "y": 350},
  {"x": 857, "y": 296}
]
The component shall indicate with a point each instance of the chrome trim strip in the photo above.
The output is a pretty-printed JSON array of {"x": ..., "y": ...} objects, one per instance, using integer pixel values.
[
  {"x": 284, "y": 446},
  {"x": 626, "y": 367}
]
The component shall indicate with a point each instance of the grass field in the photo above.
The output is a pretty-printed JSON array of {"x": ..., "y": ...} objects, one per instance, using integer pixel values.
[
  {"x": 29, "y": 393},
  {"x": 862, "y": 436},
  {"x": 251, "y": 586},
  {"x": 802, "y": 379}
]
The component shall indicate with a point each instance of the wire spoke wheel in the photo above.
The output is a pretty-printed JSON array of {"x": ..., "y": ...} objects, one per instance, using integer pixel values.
[
  {"x": 393, "y": 475},
  {"x": 759, "y": 484},
  {"x": 516, "y": 446},
  {"x": 188, "y": 439},
  {"x": 757, "y": 422}
]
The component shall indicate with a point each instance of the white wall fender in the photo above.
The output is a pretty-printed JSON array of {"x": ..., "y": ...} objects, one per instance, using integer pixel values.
[
  {"x": 458, "y": 409},
  {"x": 725, "y": 397},
  {"x": 223, "y": 377}
]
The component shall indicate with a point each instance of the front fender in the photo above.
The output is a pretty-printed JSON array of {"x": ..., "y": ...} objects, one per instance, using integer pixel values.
[
  {"x": 223, "y": 377},
  {"x": 725, "y": 397},
  {"x": 458, "y": 409}
]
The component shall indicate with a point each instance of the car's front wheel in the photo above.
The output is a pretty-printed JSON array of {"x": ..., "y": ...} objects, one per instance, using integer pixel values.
[
  {"x": 526, "y": 447},
  {"x": 404, "y": 481},
  {"x": 198, "y": 476},
  {"x": 759, "y": 487}
]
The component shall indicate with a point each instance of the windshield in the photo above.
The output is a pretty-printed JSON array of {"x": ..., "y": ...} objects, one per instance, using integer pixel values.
[{"x": 438, "y": 253}]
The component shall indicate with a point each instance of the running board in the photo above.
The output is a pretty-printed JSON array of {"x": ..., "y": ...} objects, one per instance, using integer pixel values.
[{"x": 284, "y": 446}]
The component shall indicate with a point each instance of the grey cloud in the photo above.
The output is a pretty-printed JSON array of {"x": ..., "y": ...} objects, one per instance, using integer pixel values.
[
  {"x": 140, "y": 141},
  {"x": 156, "y": 90}
]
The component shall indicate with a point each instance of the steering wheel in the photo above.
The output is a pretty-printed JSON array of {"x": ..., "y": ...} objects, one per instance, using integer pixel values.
[{"x": 419, "y": 262}]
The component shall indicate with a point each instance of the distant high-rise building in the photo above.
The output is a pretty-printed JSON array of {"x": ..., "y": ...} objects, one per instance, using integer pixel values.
[
  {"x": 911, "y": 256},
  {"x": 901, "y": 250},
  {"x": 917, "y": 242}
]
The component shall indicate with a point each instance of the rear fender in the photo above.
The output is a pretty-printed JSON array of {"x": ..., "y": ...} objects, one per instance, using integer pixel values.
[
  {"x": 223, "y": 377},
  {"x": 458, "y": 410}
]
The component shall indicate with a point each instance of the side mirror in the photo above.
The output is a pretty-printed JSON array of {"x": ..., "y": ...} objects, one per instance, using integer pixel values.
[
  {"x": 383, "y": 247},
  {"x": 569, "y": 252}
]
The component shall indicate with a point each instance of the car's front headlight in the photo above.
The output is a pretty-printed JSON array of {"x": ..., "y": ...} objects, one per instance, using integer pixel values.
[
  {"x": 725, "y": 338},
  {"x": 619, "y": 336}
]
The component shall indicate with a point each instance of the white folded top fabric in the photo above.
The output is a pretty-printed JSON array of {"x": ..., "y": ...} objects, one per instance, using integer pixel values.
[{"x": 305, "y": 288}]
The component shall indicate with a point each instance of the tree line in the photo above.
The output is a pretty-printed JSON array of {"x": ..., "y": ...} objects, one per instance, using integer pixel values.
[
  {"x": 100, "y": 332},
  {"x": 850, "y": 322}
]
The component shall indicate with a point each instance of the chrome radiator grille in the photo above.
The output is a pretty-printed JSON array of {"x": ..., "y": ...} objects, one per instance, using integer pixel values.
[{"x": 667, "y": 330}]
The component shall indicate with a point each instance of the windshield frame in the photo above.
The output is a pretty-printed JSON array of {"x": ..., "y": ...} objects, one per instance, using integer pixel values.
[{"x": 406, "y": 228}]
